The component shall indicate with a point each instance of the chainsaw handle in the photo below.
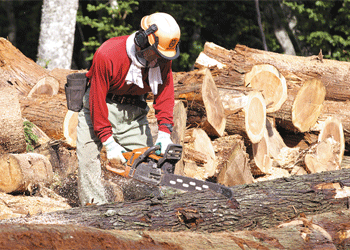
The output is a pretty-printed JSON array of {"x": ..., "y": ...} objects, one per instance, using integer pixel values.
[
  {"x": 121, "y": 172},
  {"x": 142, "y": 157}
]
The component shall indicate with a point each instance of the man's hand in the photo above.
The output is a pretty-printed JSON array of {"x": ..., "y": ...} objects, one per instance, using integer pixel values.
[
  {"x": 163, "y": 140},
  {"x": 114, "y": 150}
]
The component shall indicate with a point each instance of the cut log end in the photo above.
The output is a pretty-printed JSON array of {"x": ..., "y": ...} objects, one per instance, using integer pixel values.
[
  {"x": 307, "y": 105},
  {"x": 21, "y": 171},
  {"x": 70, "y": 128},
  {"x": 333, "y": 129},
  {"x": 214, "y": 109},
  {"x": 267, "y": 79},
  {"x": 255, "y": 117},
  {"x": 45, "y": 86}
]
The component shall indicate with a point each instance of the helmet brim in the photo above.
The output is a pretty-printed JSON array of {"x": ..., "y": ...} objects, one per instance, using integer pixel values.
[{"x": 169, "y": 54}]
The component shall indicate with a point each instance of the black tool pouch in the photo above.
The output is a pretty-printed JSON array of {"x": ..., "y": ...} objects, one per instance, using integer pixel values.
[{"x": 75, "y": 90}]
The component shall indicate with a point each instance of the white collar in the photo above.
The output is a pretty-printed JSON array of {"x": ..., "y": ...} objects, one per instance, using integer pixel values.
[{"x": 134, "y": 75}]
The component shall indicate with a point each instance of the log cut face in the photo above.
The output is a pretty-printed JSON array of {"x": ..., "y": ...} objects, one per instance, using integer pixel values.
[
  {"x": 22, "y": 172},
  {"x": 70, "y": 124},
  {"x": 308, "y": 104},
  {"x": 45, "y": 86},
  {"x": 333, "y": 128},
  {"x": 271, "y": 82},
  {"x": 178, "y": 134},
  {"x": 255, "y": 117},
  {"x": 216, "y": 121},
  {"x": 12, "y": 138}
]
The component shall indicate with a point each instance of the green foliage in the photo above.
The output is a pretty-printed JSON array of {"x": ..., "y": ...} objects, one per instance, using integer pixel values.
[
  {"x": 323, "y": 25},
  {"x": 106, "y": 22},
  {"x": 31, "y": 139}
]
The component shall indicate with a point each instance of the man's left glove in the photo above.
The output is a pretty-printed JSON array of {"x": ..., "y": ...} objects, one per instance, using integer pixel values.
[
  {"x": 114, "y": 150},
  {"x": 163, "y": 140}
]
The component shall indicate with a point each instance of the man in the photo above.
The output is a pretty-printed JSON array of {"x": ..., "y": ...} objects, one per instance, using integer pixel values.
[{"x": 123, "y": 70}]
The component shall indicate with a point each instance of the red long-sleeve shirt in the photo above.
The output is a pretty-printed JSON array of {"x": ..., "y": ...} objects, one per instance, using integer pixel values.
[{"x": 107, "y": 75}]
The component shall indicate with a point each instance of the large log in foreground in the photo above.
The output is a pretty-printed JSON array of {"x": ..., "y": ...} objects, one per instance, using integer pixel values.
[
  {"x": 261, "y": 205},
  {"x": 324, "y": 231}
]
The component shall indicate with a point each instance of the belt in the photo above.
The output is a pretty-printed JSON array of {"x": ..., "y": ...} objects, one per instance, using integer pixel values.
[{"x": 136, "y": 100}]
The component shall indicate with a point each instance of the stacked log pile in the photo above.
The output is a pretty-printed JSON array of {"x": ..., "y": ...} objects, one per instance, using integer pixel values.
[
  {"x": 242, "y": 116},
  {"x": 296, "y": 97}
]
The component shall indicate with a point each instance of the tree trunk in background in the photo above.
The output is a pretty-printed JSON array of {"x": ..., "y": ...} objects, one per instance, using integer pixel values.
[
  {"x": 260, "y": 25},
  {"x": 57, "y": 33},
  {"x": 281, "y": 33}
]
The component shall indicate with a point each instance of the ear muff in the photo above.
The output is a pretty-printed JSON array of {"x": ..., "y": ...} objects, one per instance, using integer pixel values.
[{"x": 141, "y": 36}]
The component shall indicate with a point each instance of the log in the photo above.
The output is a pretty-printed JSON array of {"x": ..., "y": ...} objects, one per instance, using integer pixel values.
[
  {"x": 18, "y": 70},
  {"x": 24, "y": 172},
  {"x": 45, "y": 86},
  {"x": 12, "y": 138},
  {"x": 255, "y": 116},
  {"x": 295, "y": 69},
  {"x": 178, "y": 134},
  {"x": 324, "y": 231},
  {"x": 198, "y": 140},
  {"x": 261, "y": 205},
  {"x": 267, "y": 79},
  {"x": 308, "y": 104},
  {"x": 69, "y": 128},
  {"x": 215, "y": 121},
  {"x": 205, "y": 97},
  {"x": 236, "y": 170},
  {"x": 47, "y": 113}
]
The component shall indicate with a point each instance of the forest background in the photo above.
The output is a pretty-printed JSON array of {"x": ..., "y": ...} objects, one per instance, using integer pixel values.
[{"x": 289, "y": 27}]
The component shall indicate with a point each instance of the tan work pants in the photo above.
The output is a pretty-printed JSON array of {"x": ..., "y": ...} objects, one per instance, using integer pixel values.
[{"x": 130, "y": 129}]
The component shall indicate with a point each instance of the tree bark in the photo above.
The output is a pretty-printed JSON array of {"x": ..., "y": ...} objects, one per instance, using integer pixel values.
[
  {"x": 18, "y": 70},
  {"x": 261, "y": 205},
  {"x": 57, "y": 30},
  {"x": 47, "y": 113},
  {"x": 12, "y": 138},
  {"x": 324, "y": 231}
]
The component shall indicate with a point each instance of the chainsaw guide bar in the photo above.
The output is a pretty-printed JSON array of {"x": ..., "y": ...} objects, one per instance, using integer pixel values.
[{"x": 144, "y": 166}]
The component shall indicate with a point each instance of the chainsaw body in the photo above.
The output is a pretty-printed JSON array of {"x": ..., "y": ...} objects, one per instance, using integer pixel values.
[{"x": 145, "y": 166}]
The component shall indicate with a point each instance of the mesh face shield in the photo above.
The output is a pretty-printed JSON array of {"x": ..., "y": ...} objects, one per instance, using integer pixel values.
[{"x": 150, "y": 53}]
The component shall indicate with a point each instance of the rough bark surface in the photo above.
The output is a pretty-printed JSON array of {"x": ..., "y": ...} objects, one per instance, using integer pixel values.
[
  {"x": 18, "y": 70},
  {"x": 47, "y": 113},
  {"x": 12, "y": 139},
  {"x": 261, "y": 205},
  {"x": 324, "y": 231}
]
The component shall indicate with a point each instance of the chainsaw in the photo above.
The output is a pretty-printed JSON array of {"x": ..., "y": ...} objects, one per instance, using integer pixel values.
[{"x": 145, "y": 166}]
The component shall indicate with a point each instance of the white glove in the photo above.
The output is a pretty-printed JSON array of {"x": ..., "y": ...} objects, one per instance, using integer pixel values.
[
  {"x": 163, "y": 140},
  {"x": 114, "y": 150}
]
